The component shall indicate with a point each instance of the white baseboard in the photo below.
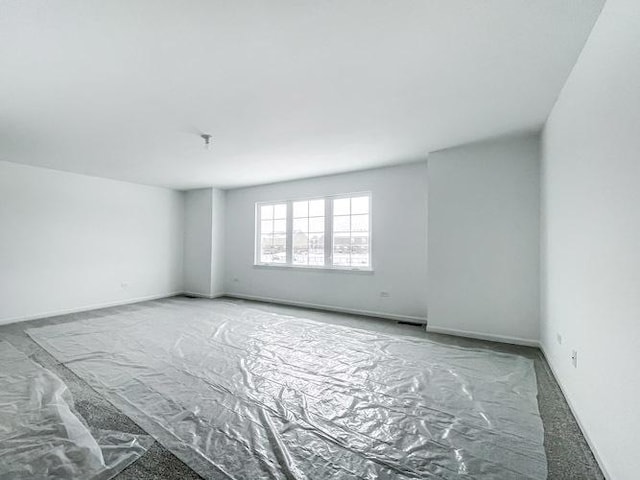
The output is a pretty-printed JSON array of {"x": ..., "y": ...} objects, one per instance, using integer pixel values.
[
  {"x": 85, "y": 308},
  {"x": 484, "y": 336},
  {"x": 575, "y": 415},
  {"x": 330, "y": 308}
]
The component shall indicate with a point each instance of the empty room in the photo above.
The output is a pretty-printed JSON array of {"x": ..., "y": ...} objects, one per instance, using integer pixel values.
[{"x": 319, "y": 239}]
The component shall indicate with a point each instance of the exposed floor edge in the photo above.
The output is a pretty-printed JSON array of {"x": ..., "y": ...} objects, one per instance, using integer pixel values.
[
  {"x": 329, "y": 308},
  {"x": 484, "y": 336},
  {"x": 44, "y": 436},
  {"x": 203, "y": 295},
  {"x": 575, "y": 415},
  {"x": 86, "y": 308}
]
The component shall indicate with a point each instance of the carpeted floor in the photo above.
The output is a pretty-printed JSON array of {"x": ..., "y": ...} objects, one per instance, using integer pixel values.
[{"x": 568, "y": 454}]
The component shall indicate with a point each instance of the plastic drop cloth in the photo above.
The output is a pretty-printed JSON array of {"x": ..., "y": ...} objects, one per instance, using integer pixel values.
[
  {"x": 241, "y": 393},
  {"x": 41, "y": 436}
]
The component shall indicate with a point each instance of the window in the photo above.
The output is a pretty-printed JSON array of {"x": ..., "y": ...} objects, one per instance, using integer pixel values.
[
  {"x": 327, "y": 232},
  {"x": 351, "y": 231},
  {"x": 308, "y": 232},
  {"x": 273, "y": 233}
]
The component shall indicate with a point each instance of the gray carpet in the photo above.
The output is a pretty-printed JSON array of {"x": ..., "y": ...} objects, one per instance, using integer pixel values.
[{"x": 567, "y": 452}]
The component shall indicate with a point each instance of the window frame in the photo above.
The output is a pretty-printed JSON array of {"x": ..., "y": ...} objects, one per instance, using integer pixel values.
[
  {"x": 328, "y": 234},
  {"x": 258, "y": 228}
]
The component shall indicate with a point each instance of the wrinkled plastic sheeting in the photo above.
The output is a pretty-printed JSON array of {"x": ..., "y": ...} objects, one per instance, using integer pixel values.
[
  {"x": 241, "y": 393},
  {"x": 41, "y": 436}
]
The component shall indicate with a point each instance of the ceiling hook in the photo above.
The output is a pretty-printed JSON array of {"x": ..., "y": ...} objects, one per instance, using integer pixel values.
[{"x": 207, "y": 139}]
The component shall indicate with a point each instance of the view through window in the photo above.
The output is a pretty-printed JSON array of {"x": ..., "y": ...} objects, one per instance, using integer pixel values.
[
  {"x": 351, "y": 231},
  {"x": 273, "y": 233},
  {"x": 327, "y": 232},
  {"x": 308, "y": 232}
]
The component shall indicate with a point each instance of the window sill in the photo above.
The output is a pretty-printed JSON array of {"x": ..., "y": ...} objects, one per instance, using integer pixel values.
[{"x": 275, "y": 266}]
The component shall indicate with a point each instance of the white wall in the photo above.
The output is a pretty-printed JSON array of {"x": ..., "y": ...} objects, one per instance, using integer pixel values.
[
  {"x": 398, "y": 245},
  {"x": 204, "y": 242},
  {"x": 218, "y": 225},
  {"x": 71, "y": 242},
  {"x": 484, "y": 239},
  {"x": 197, "y": 241},
  {"x": 591, "y": 238}
]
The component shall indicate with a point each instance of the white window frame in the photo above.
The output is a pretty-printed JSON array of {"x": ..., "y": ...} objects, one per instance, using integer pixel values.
[{"x": 328, "y": 234}]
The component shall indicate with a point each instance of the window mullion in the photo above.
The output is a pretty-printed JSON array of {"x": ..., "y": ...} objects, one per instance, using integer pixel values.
[{"x": 289, "y": 240}]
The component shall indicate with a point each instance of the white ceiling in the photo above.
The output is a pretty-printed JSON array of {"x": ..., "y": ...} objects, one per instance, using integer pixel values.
[{"x": 287, "y": 88}]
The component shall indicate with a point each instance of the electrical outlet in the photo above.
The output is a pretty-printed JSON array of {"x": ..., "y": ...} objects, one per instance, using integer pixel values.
[
  {"x": 124, "y": 285},
  {"x": 559, "y": 338},
  {"x": 574, "y": 358},
  {"x": 384, "y": 294}
]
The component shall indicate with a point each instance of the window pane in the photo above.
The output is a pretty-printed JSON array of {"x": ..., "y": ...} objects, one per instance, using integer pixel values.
[
  {"x": 359, "y": 223},
  {"x": 359, "y": 238},
  {"x": 300, "y": 257},
  {"x": 280, "y": 210},
  {"x": 300, "y": 225},
  {"x": 266, "y": 212},
  {"x": 316, "y": 249},
  {"x": 341, "y": 206},
  {"x": 300, "y": 249},
  {"x": 316, "y": 255},
  {"x": 300, "y": 209},
  {"x": 279, "y": 249},
  {"x": 341, "y": 223},
  {"x": 316, "y": 208},
  {"x": 360, "y": 250},
  {"x": 266, "y": 241},
  {"x": 360, "y": 256},
  {"x": 316, "y": 241},
  {"x": 316, "y": 224},
  {"x": 359, "y": 205},
  {"x": 300, "y": 240},
  {"x": 341, "y": 260},
  {"x": 280, "y": 226},
  {"x": 341, "y": 249},
  {"x": 266, "y": 226},
  {"x": 266, "y": 248}
]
